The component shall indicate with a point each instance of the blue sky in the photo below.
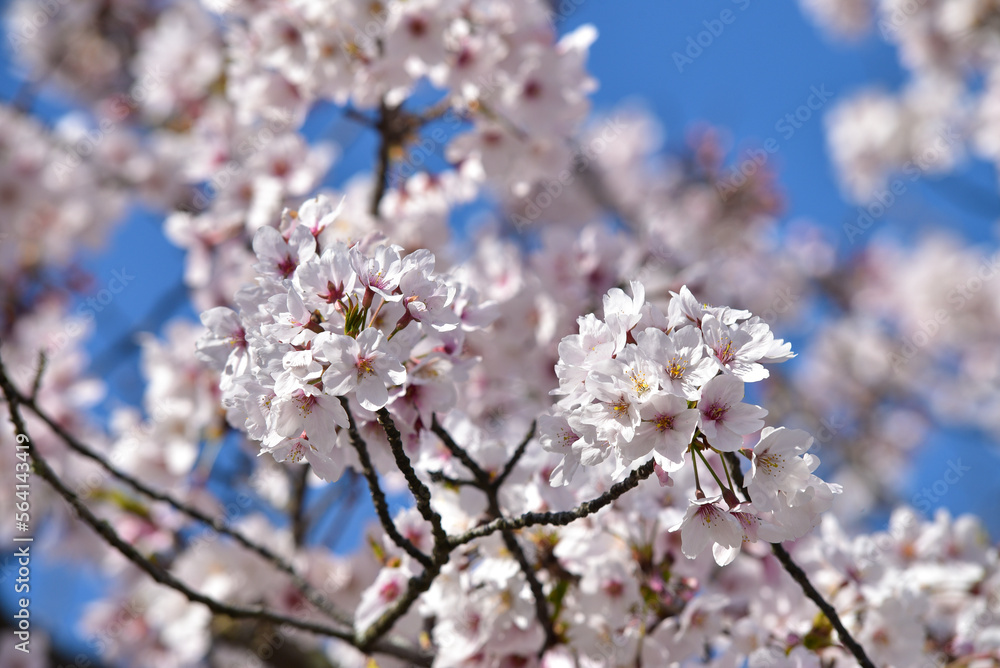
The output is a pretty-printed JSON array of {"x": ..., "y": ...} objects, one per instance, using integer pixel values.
[{"x": 760, "y": 66}]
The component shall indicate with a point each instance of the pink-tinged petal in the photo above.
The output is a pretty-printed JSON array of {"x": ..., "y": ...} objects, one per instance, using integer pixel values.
[{"x": 745, "y": 418}]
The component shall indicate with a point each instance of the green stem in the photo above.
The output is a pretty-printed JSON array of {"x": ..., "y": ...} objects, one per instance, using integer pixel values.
[
  {"x": 710, "y": 469},
  {"x": 697, "y": 480}
]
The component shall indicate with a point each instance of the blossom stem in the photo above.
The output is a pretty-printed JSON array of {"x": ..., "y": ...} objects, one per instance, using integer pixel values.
[
  {"x": 726, "y": 469},
  {"x": 698, "y": 492},
  {"x": 371, "y": 323},
  {"x": 710, "y": 469}
]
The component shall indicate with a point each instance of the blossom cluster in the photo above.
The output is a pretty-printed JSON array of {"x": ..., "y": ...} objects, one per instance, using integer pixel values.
[
  {"x": 643, "y": 382},
  {"x": 326, "y": 321}
]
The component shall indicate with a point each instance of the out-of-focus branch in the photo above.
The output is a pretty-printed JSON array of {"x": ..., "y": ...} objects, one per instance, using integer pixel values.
[
  {"x": 102, "y": 528},
  {"x": 300, "y": 523},
  {"x": 395, "y": 126},
  {"x": 307, "y": 590},
  {"x": 383, "y": 159},
  {"x": 37, "y": 383}
]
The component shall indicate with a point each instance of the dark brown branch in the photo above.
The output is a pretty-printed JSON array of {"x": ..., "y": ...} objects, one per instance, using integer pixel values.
[
  {"x": 414, "y": 588},
  {"x": 300, "y": 523},
  {"x": 801, "y": 577},
  {"x": 518, "y": 453},
  {"x": 37, "y": 383},
  {"x": 384, "y": 158},
  {"x": 461, "y": 453},
  {"x": 217, "y": 525},
  {"x": 378, "y": 496},
  {"x": 104, "y": 529},
  {"x": 491, "y": 487},
  {"x": 438, "y": 476},
  {"x": 560, "y": 518},
  {"x": 420, "y": 492},
  {"x": 810, "y": 591}
]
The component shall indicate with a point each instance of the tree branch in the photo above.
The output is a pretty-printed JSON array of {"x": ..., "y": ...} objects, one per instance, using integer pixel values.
[
  {"x": 560, "y": 518},
  {"x": 491, "y": 487},
  {"x": 800, "y": 576},
  {"x": 166, "y": 578},
  {"x": 37, "y": 383},
  {"x": 378, "y": 496},
  {"x": 810, "y": 591},
  {"x": 311, "y": 593},
  {"x": 461, "y": 453},
  {"x": 300, "y": 523},
  {"x": 518, "y": 453},
  {"x": 416, "y": 586},
  {"x": 420, "y": 492}
]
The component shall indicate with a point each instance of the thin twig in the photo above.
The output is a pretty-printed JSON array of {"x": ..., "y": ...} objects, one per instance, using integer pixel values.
[
  {"x": 378, "y": 496},
  {"x": 800, "y": 576},
  {"x": 37, "y": 383},
  {"x": 542, "y": 613},
  {"x": 461, "y": 453},
  {"x": 560, "y": 518},
  {"x": 518, "y": 453}
]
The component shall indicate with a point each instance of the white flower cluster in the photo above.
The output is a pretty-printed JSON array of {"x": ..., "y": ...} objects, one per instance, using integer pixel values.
[
  {"x": 641, "y": 383},
  {"x": 326, "y": 320}
]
